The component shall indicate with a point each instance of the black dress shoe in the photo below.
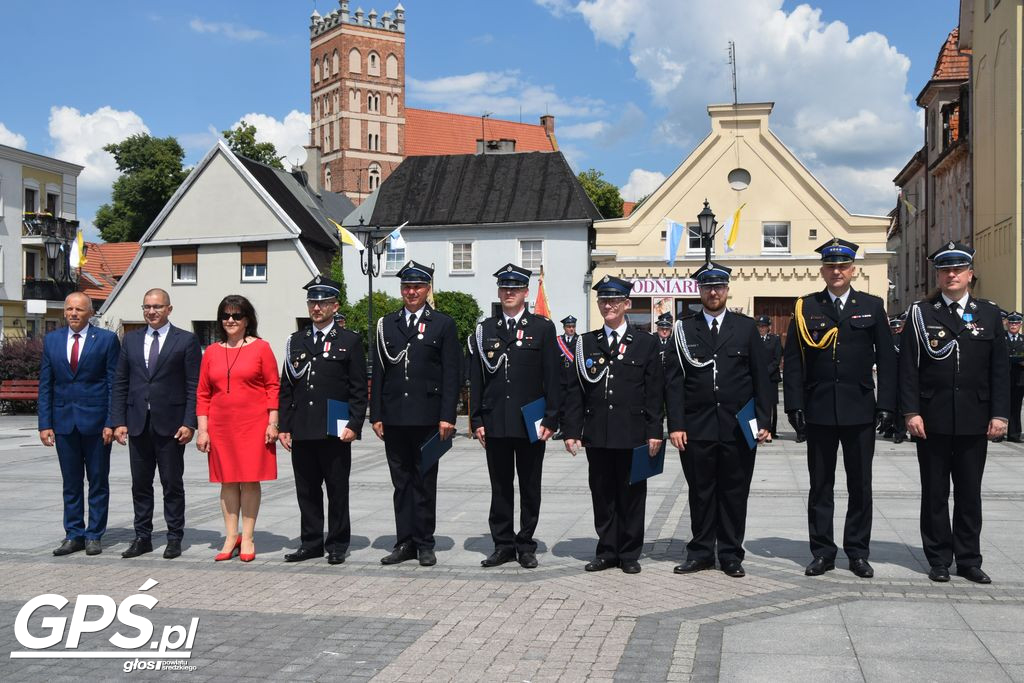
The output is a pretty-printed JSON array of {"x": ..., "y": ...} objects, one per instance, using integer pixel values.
[
  {"x": 939, "y": 574},
  {"x": 800, "y": 438},
  {"x": 734, "y": 569},
  {"x": 860, "y": 567},
  {"x": 630, "y": 567},
  {"x": 303, "y": 554},
  {"x": 68, "y": 546},
  {"x": 427, "y": 557},
  {"x": 528, "y": 560},
  {"x": 93, "y": 546},
  {"x": 691, "y": 566},
  {"x": 401, "y": 553},
  {"x": 899, "y": 438},
  {"x": 173, "y": 549},
  {"x": 140, "y": 546},
  {"x": 336, "y": 557},
  {"x": 498, "y": 557},
  {"x": 973, "y": 574},
  {"x": 1014, "y": 439},
  {"x": 819, "y": 566},
  {"x": 600, "y": 564}
]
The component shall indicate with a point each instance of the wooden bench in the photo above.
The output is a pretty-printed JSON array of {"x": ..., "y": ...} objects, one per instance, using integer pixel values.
[{"x": 19, "y": 390}]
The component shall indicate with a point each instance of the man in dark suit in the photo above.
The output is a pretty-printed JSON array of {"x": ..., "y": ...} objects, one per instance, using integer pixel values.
[
  {"x": 514, "y": 361},
  {"x": 1015, "y": 345},
  {"x": 323, "y": 362},
  {"x": 155, "y": 403},
  {"x": 955, "y": 395},
  {"x": 835, "y": 338},
  {"x": 718, "y": 365},
  {"x": 773, "y": 349},
  {"x": 416, "y": 370},
  {"x": 615, "y": 404},
  {"x": 664, "y": 325},
  {"x": 75, "y": 379}
]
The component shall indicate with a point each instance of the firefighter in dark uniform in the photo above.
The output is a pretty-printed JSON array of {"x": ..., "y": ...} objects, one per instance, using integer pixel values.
[
  {"x": 416, "y": 367},
  {"x": 664, "y": 326},
  {"x": 322, "y": 361},
  {"x": 615, "y": 404},
  {"x": 340, "y": 320},
  {"x": 955, "y": 395},
  {"x": 1015, "y": 344},
  {"x": 717, "y": 364},
  {"x": 834, "y": 339},
  {"x": 566, "y": 346},
  {"x": 513, "y": 361},
  {"x": 896, "y": 431},
  {"x": 773, "y": 348}
]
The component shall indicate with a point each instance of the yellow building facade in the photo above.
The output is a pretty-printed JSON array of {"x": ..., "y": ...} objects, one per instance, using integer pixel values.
[
  {"x": 786, "y": 214},
  {"x": 992, "y": 30}
]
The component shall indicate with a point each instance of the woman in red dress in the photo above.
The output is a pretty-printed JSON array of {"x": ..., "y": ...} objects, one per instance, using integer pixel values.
[{"x": 237, "y": 410}]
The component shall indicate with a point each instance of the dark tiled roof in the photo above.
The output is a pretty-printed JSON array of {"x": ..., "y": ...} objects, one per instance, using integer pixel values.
[{"x": 473, "y": 189}]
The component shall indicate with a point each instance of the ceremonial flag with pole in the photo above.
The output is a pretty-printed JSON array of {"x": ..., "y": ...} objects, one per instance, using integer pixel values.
[
  {"x": 540, "y": 306},
  {"x": 732, "y": 228},
  {"x": 673, "y": 236},
  {"x": 77, "y": 256},
  {"x": 397, "y": 241},
  {"x": 347, "y": 237}
]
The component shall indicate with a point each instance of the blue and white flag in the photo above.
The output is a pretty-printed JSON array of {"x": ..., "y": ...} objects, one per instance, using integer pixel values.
[
  {"x": 673, "y": 236},
  {"x": 397, "y": 241}
]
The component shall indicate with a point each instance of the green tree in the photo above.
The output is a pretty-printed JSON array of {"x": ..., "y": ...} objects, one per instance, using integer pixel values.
[
  {"x": 462, "y": 307},
  {"x": 336, "y": 272},
  {"x": 151, "y": 170},
  {"x": 356, "y": 314},
  {"x": 242, "y": 141},
  {"x": 605, "y": 196}
]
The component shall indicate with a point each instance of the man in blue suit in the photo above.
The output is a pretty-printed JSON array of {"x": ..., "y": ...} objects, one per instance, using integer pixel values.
[
  {"x": 154, "y": 401},
  {"x": 75, "y": 381}
]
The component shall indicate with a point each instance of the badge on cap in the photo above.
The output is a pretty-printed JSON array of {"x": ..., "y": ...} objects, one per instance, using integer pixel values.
[{"x": 590, "y": 362}]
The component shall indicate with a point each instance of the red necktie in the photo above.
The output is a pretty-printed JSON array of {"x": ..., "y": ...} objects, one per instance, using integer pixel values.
[{"x": 74, "y": 354}]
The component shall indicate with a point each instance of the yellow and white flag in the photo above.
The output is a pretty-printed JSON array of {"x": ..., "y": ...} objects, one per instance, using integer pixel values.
[
  {"x": 77, "y": 256},
  {"x": 347, "y": 237},
  {"x": 732, "y": 230}
]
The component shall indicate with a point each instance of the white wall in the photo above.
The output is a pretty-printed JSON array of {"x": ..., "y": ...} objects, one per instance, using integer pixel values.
[{"x": 10, "y": 230}]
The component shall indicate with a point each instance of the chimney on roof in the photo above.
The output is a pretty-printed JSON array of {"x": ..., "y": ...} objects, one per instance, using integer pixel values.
[
  {"x": 310, "y": 172},
  {"x": 548, "y": 121}
]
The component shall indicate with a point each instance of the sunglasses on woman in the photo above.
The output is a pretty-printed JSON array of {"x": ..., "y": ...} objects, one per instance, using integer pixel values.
[{"x": 232, "y": 316}]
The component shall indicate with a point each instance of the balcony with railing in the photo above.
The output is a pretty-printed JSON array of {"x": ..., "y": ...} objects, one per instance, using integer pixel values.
[
  {"x": 43, "y": 225},
  {"x": 49, "y": 290}
]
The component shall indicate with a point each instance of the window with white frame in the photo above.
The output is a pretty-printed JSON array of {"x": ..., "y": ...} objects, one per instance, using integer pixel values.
[
  {"x": 531, "y": 254},
  {"x": 184, "y": 265},
  {"x": 694, "y": 242},
  {"x": 254, "y": 262},
  {"x": 394, "y": 259},
  {"x": 462, "y": 257},
  {"x": 775, "y": 238}
]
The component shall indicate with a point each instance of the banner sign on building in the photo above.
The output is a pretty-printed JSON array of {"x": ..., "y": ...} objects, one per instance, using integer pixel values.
[{"x": 665, "y": 287}]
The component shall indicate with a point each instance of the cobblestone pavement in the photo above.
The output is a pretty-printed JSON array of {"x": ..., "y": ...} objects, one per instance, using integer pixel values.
[{"x": 458, "y": 621}]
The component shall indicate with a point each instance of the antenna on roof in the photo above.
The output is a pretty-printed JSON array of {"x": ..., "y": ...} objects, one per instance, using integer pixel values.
[
  {"x": 732, "y": 62},
  {"x": 483, "y": 132}
]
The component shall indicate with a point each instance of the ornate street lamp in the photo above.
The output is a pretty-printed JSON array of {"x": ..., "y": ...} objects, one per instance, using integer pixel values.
[
  {"x": 376, "y": 244},
  {"x": 708, "y": 228}
]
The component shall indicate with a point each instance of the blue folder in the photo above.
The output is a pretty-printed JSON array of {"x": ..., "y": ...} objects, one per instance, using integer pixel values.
[
  {"x": 744, "y": 417},
  {"x": 337, "y": 416},
  {"x": 644, "y": 466},
  {"x": 533, "y": 413},
  {"x": 432, "y": 450}
]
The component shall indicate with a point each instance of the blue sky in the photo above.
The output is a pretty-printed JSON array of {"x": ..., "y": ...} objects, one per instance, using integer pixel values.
[{"x": 628, "y": 80}]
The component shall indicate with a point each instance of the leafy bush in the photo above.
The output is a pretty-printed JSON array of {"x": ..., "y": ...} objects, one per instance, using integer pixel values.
[
  {"x": 356, "y": 314},
  {"x": 462, "y": 307},
  {"x": 20, "y": 358}
]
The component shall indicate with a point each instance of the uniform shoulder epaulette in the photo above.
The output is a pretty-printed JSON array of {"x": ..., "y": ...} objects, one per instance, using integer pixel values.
[
  {"x": 741, "y": 315},
  {"x": 692, "y": 314}
]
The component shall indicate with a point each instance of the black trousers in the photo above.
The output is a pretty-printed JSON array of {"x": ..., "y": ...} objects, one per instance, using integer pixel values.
[
  {"x": 775, "y": 411},
  {"x": 718, "y": 475},
  {"x": 962, "y": 458},
  {"x": 319, "y": 464},
  {"x": 505, "y": 457},
  {"x": 618, "y": 506},
  {"x": 147, "y": 453},
  {"x": 415, "y": 495},
  {"x": 858, "y": 451},
  {"x": 1016, "y": 399}
]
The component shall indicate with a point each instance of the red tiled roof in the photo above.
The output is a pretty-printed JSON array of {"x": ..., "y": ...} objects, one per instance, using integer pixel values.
[
  {"x": 952, "y": 64},
  {"x": 627, "y": 208},
  {"x": 104, "y": 265},
  {"x": 433, "y": 133}
]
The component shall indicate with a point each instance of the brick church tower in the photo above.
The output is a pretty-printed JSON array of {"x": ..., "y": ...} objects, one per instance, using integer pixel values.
[{"x": 357, "y": 87}]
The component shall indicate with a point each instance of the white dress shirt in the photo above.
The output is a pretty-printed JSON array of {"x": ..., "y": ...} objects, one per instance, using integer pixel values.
[
  {"x": 962, "y": 301},
  {"x": 720, "y": 318},
  {"x": 325, "y": 331},
  {"x": 515, "y": 318},
  {"x": 81, "y": 340},
  {"x": 620, "y": 330},
  {"x": 845, "y": 295},
  {"x": 148, "y": 340}
]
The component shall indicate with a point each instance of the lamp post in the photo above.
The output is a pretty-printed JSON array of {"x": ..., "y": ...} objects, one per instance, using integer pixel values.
[
  {"x": 369, "y": 264},
  {"x": 52, "y": 251},
  {"x": 708, "y": 228}
]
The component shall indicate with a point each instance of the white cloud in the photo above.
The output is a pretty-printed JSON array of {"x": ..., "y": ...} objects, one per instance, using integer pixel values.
[
  {"x": 202, "y": 141},
  {"x": 287, "y": 133},
  {"x": 12, "y": 139},
  {"x": 503, "y": 93},
  {"x": 582, "y": 131},
  {"x": 861, "y": 190},
  {"x": 231, "y": 31},
  {"x": 641, "y": 183},
  {"x": 841, "y": 101},
  {"x": 79, "y": 138}
]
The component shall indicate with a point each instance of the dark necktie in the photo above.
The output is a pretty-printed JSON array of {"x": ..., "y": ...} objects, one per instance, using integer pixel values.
[
  {"x": 954, "y": 309},
  {"x": 154, "y": 353},
  {"x": 510, "y": 324},
  {"x": 318, "y": 338},
  {"x": 714, "y": 330},
  {"x": 613, "y": 339},
  {"x": 839, "y": 306},
  {"x": 74, "y": 353},
  {"x": 412, "y": 321}
]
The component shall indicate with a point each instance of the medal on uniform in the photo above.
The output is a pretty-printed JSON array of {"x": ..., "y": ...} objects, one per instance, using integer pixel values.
[
  {"x": 497, "y": 345},
  {"x": 942, "y": 333},
  {"x": 934, "y": 343},
  {"x": 622, "y": 350},
  {"x": 519, "y": 337},
  {"x": 327, "y": 347},
  {"x": 590, "y": 362},
  {"x": 968, "y": 317},
  {"x": 490, "y": 354},
  {"x": 599, "y": 360},
  {"x": 421, "y": 327},
  {"x": 302, "y": 357}
]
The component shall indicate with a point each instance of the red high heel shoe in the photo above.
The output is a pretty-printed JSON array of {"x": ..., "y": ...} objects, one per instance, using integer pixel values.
[
  {"x": 247, "y": 557},
  {"x": 220, "y": 557}
]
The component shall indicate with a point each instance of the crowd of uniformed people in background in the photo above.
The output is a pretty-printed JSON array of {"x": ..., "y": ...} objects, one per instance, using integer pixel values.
[{"x": 938, "y": 374}]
